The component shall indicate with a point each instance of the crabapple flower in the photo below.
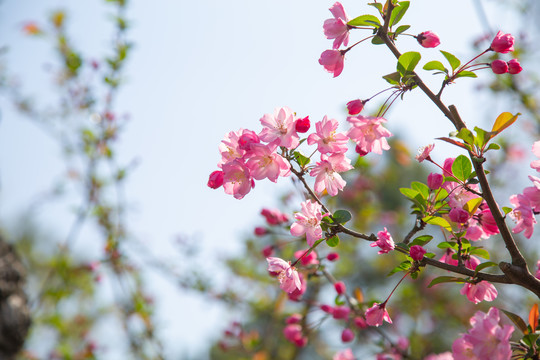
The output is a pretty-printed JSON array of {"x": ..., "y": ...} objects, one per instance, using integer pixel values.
[
  {"x": 368, "y": 133},
  {"x": 447, "y": 258},
  {"x": 423, "y": 153},
  {"x": 502, "y": 43},
  {"x": 308, "y": 221},
  {"x": 274, "y": 216},
  {"x": 309, "y": 259},
  {"x": 230, "y": 148},
  {"x": 376, "y": 314},
  {"x": 458, "y": 215},
  {"x": 294, "y": 319},
  {"x": 297, "y": 293},
  {"x": 428, "y": 39},
  {"x": 354, "y": 107},
  {"x": 384, "y": 241},
  {"x": 434, "y": 181},
  {"x": 499, "y": 67},
  {"x": 332, "y": 61},
  {"x": 514, "y": 67},
  {"x": 417, "y": 252},
  {"x": 215, "y": 180},
  {"x": 479, "y": 292},
  {"x": 485, "y": 340},
  {"x": 265, "y": 162},
  {"x": 536, "y": 151},
  {"x": 326, "y": 173},
  {"x": 237, "y": 180},
  {"x": 287, "y": 275},
  {"x": 444, "y": 356},
  {"x": 347, "y": 335},
  {"x": 341, "y": 312},
  {"x": 302, "y": 125},
  {"x": 337, "y": 27},
  {"x": 326, "y": 138},
  {"x": 247, "y": 138},
  {"x": 293, "y": 333},
  {"x": 280, "y": 128},
  {"x": 346, "y": 354},
  {"x": 523, "y": 215}
]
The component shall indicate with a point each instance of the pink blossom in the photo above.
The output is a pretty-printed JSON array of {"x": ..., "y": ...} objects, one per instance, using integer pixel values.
[
  {"x": 384, "y": 241},
  {"x": 309, "y": 259},
  {"x": 444, "y": 356},
  {"x": 532, "y": 193},
  {"x": 458, "y": 215},
  {"x": 499, "y": 67},
  {"x": 302, "y": 125},
  {"x": 327, "y": 309},
  {"x": 472, "y": 262},
  {"x": 428, "y": 39},
  {"x": 487, "y": 221},
  {"x": 326, "y": 138},
  {"x": 267, "y": 251},
  {"x": 354, "y": 107},
  {"x": 417, "y": 252},
  {"x": 293, "y": 332},
  {"x": 294, "y": 319},
  {"x": 376, "y": 314},
  {"x": 215, "y": 180},
  {"x": 327, "y": 171},
  {"x": 485, "y": 340},
  {"x": 265, "y": 162},
  {"x": 230, "y": 148},
  {"x": 502, "y": 43},
  {"x": 260, "y": 231},
  {"x": 368, "y": 133},
  {"x": 340, "y": 287},
  {"x": 237, "y": 180},
  {"x": 296, "y": 295},
  {"x": 341, "y": 312},
  {"x": 247, "y": 138},
  {"x": 536, "y": 151},
  {"x": 337, "y": 28},
  {"x": 479, "y": 292},
  {"x": 514, "y": 67},
  {"x": 434, "y": 181},
  {"x": 447, "y": 258},
  {"x": 332, "y": 60},
  {"x": 280, "y": 128},
  {"x": 346, "y": 354},
  {"x": 274, "y": 216},
  {"x": 308, "y": 221},
  {"x": 332, "y": 256},
  {"x": 423, "y": 153},
  {"x": 287, "y": 275},
  {"x": 360, "y": 322},
  {"x": 523, "y": 215},
  {"x": 347, "y": 335}
]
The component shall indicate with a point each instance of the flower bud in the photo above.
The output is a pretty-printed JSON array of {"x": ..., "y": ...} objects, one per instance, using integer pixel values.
[
  {"x": 514, "y": 67},
  {"x": 499, "y": 67},
  {"x": 434, "y": 181},
  {"x": 215, "y": 180},
  {"x": 267, "y": 251},
  {"x": 341, "y": 312},
  {"x": 247, "y": 138},
  {"x": 327, "y": 309},
  {"x": 260, "y": 231},
  {"x": 360, "y": 322},
  {"x": 428, "y": 39},
  {"x": 340, "y": 287},
  {"x": 502, "y": 43},
  {"x": 359, "y": 151},
  {"x": 354, "y": 107},
  {"x": 458, "y": 215},
  {"x": 347, "y": 335},
  {"x": 302, "y": 125},
  {"x": 294, "y": 319},
  {"x": 417, "y": 252},
  {"x": 332, "y": 256}
]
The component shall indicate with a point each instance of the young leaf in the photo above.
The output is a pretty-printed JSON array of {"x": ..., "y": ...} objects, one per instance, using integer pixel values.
[
  {"x": 516, "y": 320},
  {"x": 452, "y": 60},
  {"x": 302, "y": 160},
  {"x": 506, "y": 209},
  {"x": 447, "y": 245},
  {"x": 533, "y": 317},
  {"x": 407, "y": 62},
  {"x": 445, "y": 279},
  {"x": 393, "y": 78},
  {"x": 472, "y": 205},
  {"x": 481, "y": 139},
  {"x": 493, "y": 146},
  {"x": 404, "y": 266},
  {"x": 435, "y": 65},
  {"x": 482, "y": 266},
  {"x": 376, "y": 40},
  {"x": 398, "y": 12},
  {"x": 483, "y": 253},
  {"x": 466, "y": 135},
  {"x": 462, "y": 167},
  {"x": 453, "y": 142},
  {"x": 410, "y": 193},
  {"x": 401, "y": 29},
  {"x": 378, "y": 6},
  {"x": 439, "y": 221},
  {"x": 333, "y": 241},
  {"x": 422, "y": 189},
  {"x": 503, "y": 121},
  {"x": 342, "y": 216},
  {"x": 421, "y": 240},
  {"x": 365, "y": 20},
  {"x": 466, "y": 74}
]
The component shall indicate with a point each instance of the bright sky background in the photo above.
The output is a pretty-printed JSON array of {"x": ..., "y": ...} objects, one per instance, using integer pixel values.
[{"x": 200, "y": 69}]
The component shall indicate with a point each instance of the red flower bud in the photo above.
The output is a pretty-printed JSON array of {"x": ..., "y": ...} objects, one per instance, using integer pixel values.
[
  {"x": 340, "y": 287},
  {"x": 502, "y": 43},
  {"x": 332, "y": 256},
  {"x": 302, "y": 125},
  {"x": 499, "y": 67},
  {"x": 267, "y": 251},
  {"x": 417, "y": 252},
  {"x": 347, "y": 335},
  {"x": 355, "y": 106},
  {"x": 216, "y": 179},
  {"x": 514, "y": 67},
  {"x": 428, "y": 39},
  {"x": 260, "y": 231},
  {"x": 434, "y": 181}
]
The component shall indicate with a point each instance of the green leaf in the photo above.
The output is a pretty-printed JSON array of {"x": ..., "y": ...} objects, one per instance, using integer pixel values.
[
  {"x": 410, "y": 193},
  {"x": 435, "y": 65},
  {"x": 493, "y": 146},
  {"x": 404, "y": 266},
  {"x": 466, "y": 135},
  {"x": 439, "y": 221},
  {"x": 483, "y": 253},
  {"x": 398, "y": 12},
  {"x": 480, "y": 139},
  {"x": 402, "y": 246},
  {"x": 421, "y": 240},
  {"x": 503, "y": 121},
  {"x": 378, "y": 6},
  {"x": 407, "y": 62},
  {"x": 482, "y": 266},
  {"x": 301, "y": 159},
  {"x": 506, "y": 209},
  {"x": 338, "y": 301},
  {"x": 376, "y": 40},
  {"x": 365, "y": 20},
  {"x": 516, "y": 320},
  {"x": 333, "y": 241},
  {"x": 462, "y": 167},
  {"x": 448, "y": 245},
  {"x": 452, "y": 60},
  {"x": 472, "y": 205},
  {"x": 445, "y": 279},
  {"x": 422, "y": 189},
  {"x": 342, "y": 216},
  {"x": 401, "y": 29},
  {"x": 466, "y": 74},
  {"x": 393, "y": 78}
]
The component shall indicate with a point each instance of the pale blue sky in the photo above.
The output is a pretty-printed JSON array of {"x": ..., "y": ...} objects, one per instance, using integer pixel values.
[{"x": 198, "y": 70}]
